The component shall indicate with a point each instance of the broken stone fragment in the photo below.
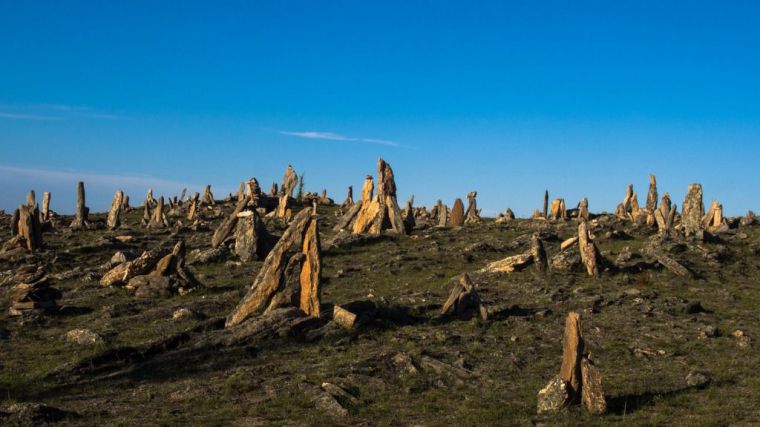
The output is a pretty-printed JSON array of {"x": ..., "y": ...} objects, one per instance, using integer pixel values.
[
  {"x": 559, "y": 210},
  {"x": 224, "y": 230},
  {"x": 343, "y": 317},
  {"x": 509, "y": 264},
  {"x": 289, "y": 182},
  {"x": 569, "y": 243},
  {"x": 464, "y": 299},
  {"x": 158, "y": 218},
  {"x": 208, "y": 197},
  {"x": 583, "y": 213},
  {"x": 554, "y": 397}
]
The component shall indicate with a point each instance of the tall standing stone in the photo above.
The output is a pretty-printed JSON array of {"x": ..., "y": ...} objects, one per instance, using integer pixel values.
[
  {"x": 572, "y": 352},
  {"x": 208, "y": 196},
  {"x": 45, "y": 206},
  {"x": 457, "y": 214},
  {"x": 81, "y": 218},
  {"x": 652, "y": 194},
  {"x": 588, "y": 250},
  {"x": 349, "y": 198},
  {"x": 583, "y": 214},
  {"x": 31, "y": 199},
  {"x": 386, "y": 194},
  {"x": 692, "y": 210},
  {"x": 114, "y": 214},
  {"x": 311, "y": 270},
  {"x": 546, "y": 204},
  {"x": 472, "y": 215},
  {"x": 289, "y": 182},
  {"x": 29, "y": 227}
]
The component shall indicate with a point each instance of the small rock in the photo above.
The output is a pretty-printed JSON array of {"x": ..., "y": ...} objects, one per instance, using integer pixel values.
[
  {"x": 183, "y": 313},
  {"x": 553, "y": 397},
  {"x": 83, "y": 336},
  {"x": 697, "y": 379}
]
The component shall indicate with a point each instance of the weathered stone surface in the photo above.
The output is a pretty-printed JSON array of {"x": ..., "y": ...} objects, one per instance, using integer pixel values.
[
  {"x": 572, "y": 352},
  {"x": 251, "y": 237},
  {"x": 592, "y": 392},
  {"x": 46, "y": 213},
  {"x": 344, "y": 317},
  {"x": 408, "y": 215},
  {"x": 311, "y": 270},
  {"x": 674, "y": 266},
  {"x": 349, "y": 198},
  {"x": 114, "y": 214},
  {"x": 442, "y": 214},
  {"x": 569, "y": 243},
  {"x": 457, "y": 214},
  {"x": 583, "y": 214},
  {"x": 386, "y": 193},
  {"x": 713, "y": 220},
  {"x": 122, "y": 273},
  {"x": 345, "y": 221},
  {"x": 509, "y": 264},
  {"x": 83, "y": 337},
  {"x": 567, "y": 260},
  {"x": 546, "y": 204},
  {"x": 148, "y": 286},
  {"x": 268, "y": 280},
  {"x": 554, "y": 397},
  {"x": 693, "y": 210},
  {"x": 588, "y": 250}
]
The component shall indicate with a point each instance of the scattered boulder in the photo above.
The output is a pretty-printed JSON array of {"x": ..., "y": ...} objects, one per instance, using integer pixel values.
[{"x": 83, "y": 337}]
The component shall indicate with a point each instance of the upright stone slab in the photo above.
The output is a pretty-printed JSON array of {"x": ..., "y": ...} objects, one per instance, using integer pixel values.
[
  {"x": 546, "y": 204},
  {"x": 114, "y": 214},
  {"x": 652, "y": 194},
  {"x": 457, "y": 214},
  {"x": 572, "y": 353},
  {"x": 45, "y": 214},
  {"x": 583, "y": 214},
  {"x": 692, "y": 210},
  {"x": 289, "y": 182},
  {"x": 311, "y": 270},
  {"x": 82, "y": 212},
  {"x": 588, "y": 251},
  {"x": 472, "y": 216}
]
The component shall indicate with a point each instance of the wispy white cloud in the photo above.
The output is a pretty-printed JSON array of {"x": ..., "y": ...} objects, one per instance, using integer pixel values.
[
  {"x": 337, "y": 137},
  {"x": 94, "y": 177},
  {"x": 54, "y": 112},
  {"x": 24, "y": 116}
]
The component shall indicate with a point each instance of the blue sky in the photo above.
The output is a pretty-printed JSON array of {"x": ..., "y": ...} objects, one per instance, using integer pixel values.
[{"x": 507, "y": 98}]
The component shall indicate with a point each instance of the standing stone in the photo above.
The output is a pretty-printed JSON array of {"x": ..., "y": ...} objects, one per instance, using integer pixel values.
[
  {"x": 368, "y": 208},
  {"x": 249, "y": 236},
  {"x": 159, "y": 220},
  {"x": 409, "y": 221},
  {"x": 225, "y": 228},
  {"x": 80, "y": 220},
  {"x": 472, "y": 216},
  {"x": 693, "y": 210},
  {"x": 31, "y": 199},
  {"x": 311, "y": 270},
  {"x": 29, "y": 227},
  {"x": 349, "y": 198},
  {"x": 592, "y": 392},
  {"x": 386, "y": 194},
  {"x": 289, "y": 182},
  {"x": 208, "y": 196},
  {"x": 442, "y": 212},
  {"x": 241, "y": 191},
  {"x": 182, "y": 195},
  {"x": 652, "y": 194},
  {"x": 558, "y": 210},
  {"x": 457, "y": 214},
  {"x": 46, "y": 206},
  {"x": 665, "y": 205},
  {"x": 15, "y": 218},
  {"x": 114, "y": 214},
  {"x": 270, "y": 276},
  {"x": 125, "y": 203},
  {"x": 583, "y": 214},
  {"x": 273, "y": 190},
  {"x": 713, "y": 220},
  {"x": 546, "y": 204},
  {"x": 587, "y": 248},
  {"x": 572, "y": 352},
  {"x": 539, "y": 254}
]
